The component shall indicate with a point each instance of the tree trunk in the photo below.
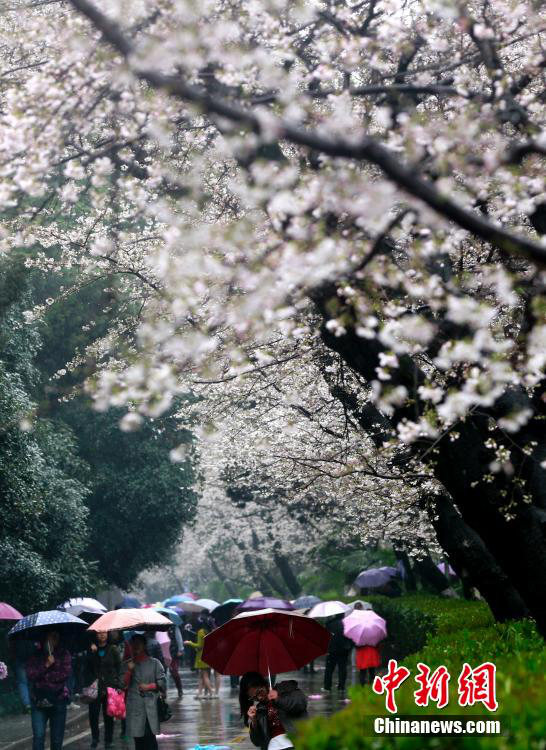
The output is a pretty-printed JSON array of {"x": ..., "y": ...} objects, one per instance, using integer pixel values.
[
  {"x": 515, "y": 534},
  {"x": 516, "y": 541},
  {"x": 221, "y": 577},
  {"x": 473, "y": 561},
  {"x": 257, "y": 576},
  {"x": 409, "y": 580},
  {"x": 287, "y": 572},
  {"x": 275, "y": 585},
  {"x": 430, "y": 575},
  {"x": 265, "y": 575},
  {"x": 474, "y": 564}
]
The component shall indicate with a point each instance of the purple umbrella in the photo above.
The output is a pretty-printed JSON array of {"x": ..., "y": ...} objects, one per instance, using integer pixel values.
[
  {"x": 264, "y": 602},
  {"x": 7, "y": 612},
  {"x": 364, "y": 627},
  {"x": 442, "y": 568},
  {"x": 375, "y": 577}
]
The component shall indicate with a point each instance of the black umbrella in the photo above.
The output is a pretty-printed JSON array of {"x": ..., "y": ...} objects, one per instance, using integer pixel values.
[
  {"x": 225, "y": 611},
  {"x": 35, "y": 625}
]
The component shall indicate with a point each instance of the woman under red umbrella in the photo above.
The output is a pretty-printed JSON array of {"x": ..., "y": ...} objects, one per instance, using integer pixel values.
[{"x": 270, "y": 712}]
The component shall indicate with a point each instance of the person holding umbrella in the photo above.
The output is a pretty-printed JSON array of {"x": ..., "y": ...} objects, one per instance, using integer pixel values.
[
  {"x": 204, "y": 686},
  {"x": 368, "y": 658},
  {"x": 366, "y": 629},
  {"x": 103, "y": 664},
  {"x": 339, "y": 649},
  {"x": 145, "y": 680},
  {"x": 189, "y": 635},
  {"x": 48, "y": 672},
  {"x": 19, "y": 652},
  {"x": 267, "y": 642},
  {"x": 176, "y": 650},
  {"x": 269, "y": 713}
]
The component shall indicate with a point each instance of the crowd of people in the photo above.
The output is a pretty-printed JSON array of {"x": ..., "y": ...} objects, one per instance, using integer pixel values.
[{"x": 94, "y": 667}]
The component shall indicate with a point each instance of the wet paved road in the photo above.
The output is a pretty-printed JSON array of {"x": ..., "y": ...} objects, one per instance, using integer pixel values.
[{"x": 211, "y": 722}]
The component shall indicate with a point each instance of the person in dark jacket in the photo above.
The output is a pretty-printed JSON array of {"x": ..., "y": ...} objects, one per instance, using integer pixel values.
[
  {"x": 176, "y": 650},
  {"x": 48, "y": 672},
  {"x": 339, "y": 649},
  {"x": 189, "y": 634},
  {"x": 154, "y": 649},
  {"x": 104, "y": 665},
  {"x": 270, "y": 713}
]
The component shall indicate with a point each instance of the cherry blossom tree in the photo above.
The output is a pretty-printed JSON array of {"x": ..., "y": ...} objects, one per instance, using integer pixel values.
[{"x": 365, "y": 177}]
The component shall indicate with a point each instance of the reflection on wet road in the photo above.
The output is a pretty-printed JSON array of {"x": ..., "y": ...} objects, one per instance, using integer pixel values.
[{"x": 216, "y": 721}]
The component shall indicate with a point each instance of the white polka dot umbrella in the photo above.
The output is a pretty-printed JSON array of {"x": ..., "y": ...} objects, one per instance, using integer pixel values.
[{"x": 35, "y": 625}]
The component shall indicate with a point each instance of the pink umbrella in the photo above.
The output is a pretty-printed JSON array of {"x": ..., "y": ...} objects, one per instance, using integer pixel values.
[
  {"x": 7, "y": 612},
  {"x": 364, "y": 627},
  {"x": 131, "y": 619},
  {"x": 165, "y": 643}
]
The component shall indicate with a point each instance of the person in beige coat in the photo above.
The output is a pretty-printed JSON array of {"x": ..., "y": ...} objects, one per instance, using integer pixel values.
[{"x": 145, "y": 680}]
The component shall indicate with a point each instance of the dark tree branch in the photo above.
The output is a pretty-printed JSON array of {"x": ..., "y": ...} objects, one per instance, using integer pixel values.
[{"x": 367, "y": 150}]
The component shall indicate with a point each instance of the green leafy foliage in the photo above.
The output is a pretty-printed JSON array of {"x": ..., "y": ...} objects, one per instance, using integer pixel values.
[
  {"x": 139, "y": 500},
  {"x": 408, "y": 627},
  {"x": 449, "y": 613},
  {"x": 43, "y": 531}
]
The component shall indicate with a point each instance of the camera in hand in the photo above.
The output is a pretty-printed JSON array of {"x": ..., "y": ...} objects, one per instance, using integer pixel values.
[{"x": 261, "y": 699}]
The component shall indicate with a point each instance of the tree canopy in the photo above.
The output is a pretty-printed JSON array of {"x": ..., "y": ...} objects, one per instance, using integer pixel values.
[
  {"x": 43, "y": 513},
  {"x": 328, "y": 218}
]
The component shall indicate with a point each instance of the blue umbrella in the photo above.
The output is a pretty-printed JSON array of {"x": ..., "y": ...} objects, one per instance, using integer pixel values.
[
  {"x": 129, "y": 602},
  {"x": 375, "y": 577},
  {"x": 306, "y": 602},
  {"x": 32, "y": 626},
  {"x": 174, "y": 600},
  {"x": 170, "y": 613}
]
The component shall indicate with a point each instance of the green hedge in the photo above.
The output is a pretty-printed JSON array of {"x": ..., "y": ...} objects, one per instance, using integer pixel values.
[
  {"x": 450, "y": 614},
  {"x": 456, "y": 631},
  {"x": 408, "y": 627},
  {"x": 412, "y": 620}
]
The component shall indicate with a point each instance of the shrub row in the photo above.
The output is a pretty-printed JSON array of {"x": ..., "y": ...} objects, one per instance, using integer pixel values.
[{"x": 455, "y": 632}]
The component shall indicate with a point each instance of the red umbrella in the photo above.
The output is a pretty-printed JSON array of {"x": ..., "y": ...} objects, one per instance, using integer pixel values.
[
  {"x": 265, "y": 641},
  {"x": 7, "y": 612}
]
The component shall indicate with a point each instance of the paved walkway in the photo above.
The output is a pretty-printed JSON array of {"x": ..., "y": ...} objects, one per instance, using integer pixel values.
[{"x": 194, "y": 722}]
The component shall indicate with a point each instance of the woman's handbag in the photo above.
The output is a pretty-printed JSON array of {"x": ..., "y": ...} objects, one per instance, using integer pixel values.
[
  {"x": 164, "y": 712},
  {"x": 115, "y": 703},
  {"x": 90, "y": 693}
]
